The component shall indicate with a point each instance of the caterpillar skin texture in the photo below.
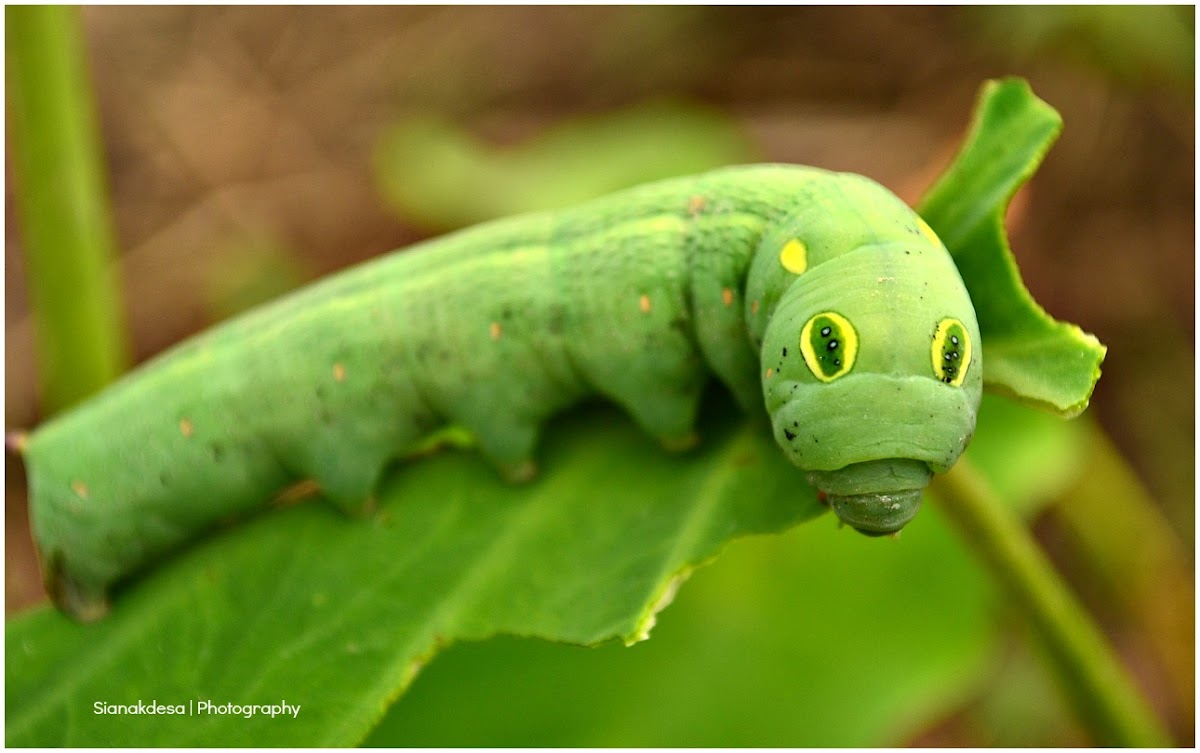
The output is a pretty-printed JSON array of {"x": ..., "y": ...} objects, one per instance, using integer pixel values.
[{"x": 818, "y": 295}]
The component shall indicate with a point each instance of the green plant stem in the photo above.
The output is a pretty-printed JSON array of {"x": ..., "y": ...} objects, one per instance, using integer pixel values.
[
  {"x": 1103, "y": 694},
  {"x": 1116, "y": 531},
  {"x": 63, "y": 206}
]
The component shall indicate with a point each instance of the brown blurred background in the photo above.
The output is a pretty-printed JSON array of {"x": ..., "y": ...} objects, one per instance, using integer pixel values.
[{"x": 239, "y": 144}]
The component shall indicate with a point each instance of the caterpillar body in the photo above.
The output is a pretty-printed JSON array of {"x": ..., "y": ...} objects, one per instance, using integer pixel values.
[{"x": 817, "y": 297}]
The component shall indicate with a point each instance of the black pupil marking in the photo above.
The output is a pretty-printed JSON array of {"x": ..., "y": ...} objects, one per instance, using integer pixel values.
[
  {"x": 832, "y": 345},
  {"x": 954, "y": 339},
  {"x": 825, "y": 331},
  {"x": 837, "y": 362}
]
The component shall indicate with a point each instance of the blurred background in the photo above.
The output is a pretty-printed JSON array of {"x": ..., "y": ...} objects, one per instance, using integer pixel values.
[{"x": 251, "y": 150}]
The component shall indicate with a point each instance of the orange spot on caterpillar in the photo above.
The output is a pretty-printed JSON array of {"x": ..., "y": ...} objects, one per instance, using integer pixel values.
[
  {"x": 494, "y": 330},
  {"x": 754, "y": 307},
  {"x": 696, "y": 204},
  {"x": 727, "y": 297},
  {"x": 185, "y": 427},
  {"x": 296, "y": 492},
  {"x": 770, "y": 372},
  {"x": 339, "y": 372},
  {"x": 80, "y": 489},
  {"x": 644, "y": 304}
]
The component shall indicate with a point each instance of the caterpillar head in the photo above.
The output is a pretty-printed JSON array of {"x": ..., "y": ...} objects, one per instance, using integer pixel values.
[{"x": 872, "y": 377}]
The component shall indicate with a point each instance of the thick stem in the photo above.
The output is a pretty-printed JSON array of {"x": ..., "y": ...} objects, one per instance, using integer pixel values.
[
  {"x": 63, "y": 206},
  {"x": 1099, "y": 688}
]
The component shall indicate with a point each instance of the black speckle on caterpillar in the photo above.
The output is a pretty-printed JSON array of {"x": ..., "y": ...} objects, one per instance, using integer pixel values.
[{"x": 770, "y": 278}]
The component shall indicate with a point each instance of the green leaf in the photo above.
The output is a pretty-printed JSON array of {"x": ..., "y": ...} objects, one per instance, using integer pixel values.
[
  {"x": 757, "y": 649},
  {"x": 435, "y": 174},
  {"x": 1027, "y": 353},
  {"x": 337, "y": 615},
  {"x": 818, "y": 637}
]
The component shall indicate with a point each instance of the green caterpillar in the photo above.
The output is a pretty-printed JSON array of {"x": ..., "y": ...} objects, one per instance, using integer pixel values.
[{"x": 818, "y": 295}]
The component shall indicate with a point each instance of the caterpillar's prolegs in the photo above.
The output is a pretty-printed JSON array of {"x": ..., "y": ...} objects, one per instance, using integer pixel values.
[
  {"x": 84, "y": 603},
  {"x": 509, "y": 445}
]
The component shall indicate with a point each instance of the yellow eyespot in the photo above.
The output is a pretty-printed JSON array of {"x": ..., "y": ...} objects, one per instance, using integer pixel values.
[
  {"x": 951, "y": 352},
  {"x": 794, "y": 256},
  {"x": 829, "y": 345}
]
